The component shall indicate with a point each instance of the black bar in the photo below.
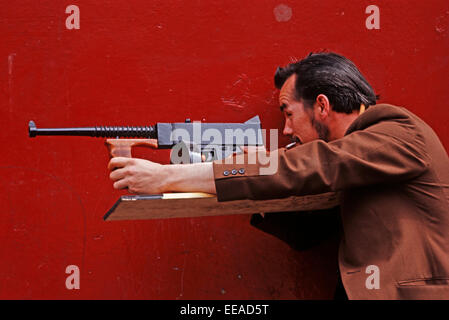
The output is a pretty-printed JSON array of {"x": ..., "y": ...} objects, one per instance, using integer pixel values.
[{"x": 101, "y": 132}]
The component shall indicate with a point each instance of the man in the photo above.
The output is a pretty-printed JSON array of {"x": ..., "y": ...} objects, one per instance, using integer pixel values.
[{"x": 390, "y": 167}]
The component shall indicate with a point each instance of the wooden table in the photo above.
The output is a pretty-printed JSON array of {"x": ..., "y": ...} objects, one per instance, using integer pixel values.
[{"x": 181, "y": 205}]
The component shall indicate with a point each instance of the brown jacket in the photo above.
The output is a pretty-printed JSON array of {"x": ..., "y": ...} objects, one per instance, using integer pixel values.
[{"x": 393, "y": 175}]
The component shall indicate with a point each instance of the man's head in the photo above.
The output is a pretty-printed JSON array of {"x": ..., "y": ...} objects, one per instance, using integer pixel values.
[{"x": 321, "y": 95}]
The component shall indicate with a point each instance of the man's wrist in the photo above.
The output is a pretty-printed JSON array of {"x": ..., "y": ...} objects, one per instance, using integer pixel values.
[
  {"x": 197, "y": 177},
  {"x": 171, "y": 177}
]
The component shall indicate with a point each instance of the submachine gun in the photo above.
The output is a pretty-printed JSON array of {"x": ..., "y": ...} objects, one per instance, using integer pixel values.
[{"x": 189, "y": 142}]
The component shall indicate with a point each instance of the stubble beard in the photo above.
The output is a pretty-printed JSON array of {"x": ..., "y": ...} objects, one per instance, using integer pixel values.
[{"x": 321, "y": 129}]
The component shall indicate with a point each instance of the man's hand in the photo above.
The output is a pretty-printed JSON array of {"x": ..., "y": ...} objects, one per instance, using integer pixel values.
[
  {"x": 138, "y": 175},
  {"x": 146, "y": 177}
]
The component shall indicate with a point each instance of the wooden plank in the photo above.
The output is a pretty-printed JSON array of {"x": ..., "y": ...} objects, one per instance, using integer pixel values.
[{"x": 199, "y": 205}]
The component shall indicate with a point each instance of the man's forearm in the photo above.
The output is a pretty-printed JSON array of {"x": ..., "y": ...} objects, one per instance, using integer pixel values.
[{"x": 195, "y": 177}]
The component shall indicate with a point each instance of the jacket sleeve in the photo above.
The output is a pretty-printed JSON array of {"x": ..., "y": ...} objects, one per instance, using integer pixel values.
[{"x": 386, "y": 152}]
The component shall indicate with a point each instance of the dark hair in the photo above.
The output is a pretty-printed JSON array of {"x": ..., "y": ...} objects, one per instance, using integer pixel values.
[{"x": 330, "y": 74}]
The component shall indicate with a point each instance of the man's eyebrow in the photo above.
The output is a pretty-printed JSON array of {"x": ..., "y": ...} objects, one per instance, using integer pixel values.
[{"x": 282, "y": 107}]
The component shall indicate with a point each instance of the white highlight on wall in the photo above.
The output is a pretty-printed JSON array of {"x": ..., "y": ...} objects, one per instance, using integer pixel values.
[{"x": 282, "y": 13}]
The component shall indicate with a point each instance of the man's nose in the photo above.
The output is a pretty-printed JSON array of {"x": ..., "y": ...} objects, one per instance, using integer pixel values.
[{"x": 287, "y": 130}]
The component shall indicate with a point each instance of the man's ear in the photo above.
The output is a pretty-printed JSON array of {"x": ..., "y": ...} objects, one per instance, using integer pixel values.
[{"x": 323, "y": 106}]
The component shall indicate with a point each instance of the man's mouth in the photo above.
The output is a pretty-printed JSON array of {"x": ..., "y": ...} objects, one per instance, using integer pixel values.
[{"x": 296, "y": 139}]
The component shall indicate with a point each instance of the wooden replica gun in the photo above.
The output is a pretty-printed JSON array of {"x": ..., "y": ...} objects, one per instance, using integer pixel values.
[{"x": 189, "y": 142}]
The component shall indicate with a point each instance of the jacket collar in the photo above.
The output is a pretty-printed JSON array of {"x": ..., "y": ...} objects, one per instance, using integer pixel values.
[{"x": 378, "y": 113}]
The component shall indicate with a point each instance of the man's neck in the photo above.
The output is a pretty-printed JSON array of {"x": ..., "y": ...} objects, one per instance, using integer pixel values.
[{"x": 342, "y": 122}]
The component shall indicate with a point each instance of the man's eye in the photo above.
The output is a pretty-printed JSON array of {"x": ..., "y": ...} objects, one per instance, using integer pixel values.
[{"x": 288, "y": 114}]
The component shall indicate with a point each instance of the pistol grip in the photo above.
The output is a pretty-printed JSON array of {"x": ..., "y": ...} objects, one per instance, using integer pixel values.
[{"x": 122, "y": 147}]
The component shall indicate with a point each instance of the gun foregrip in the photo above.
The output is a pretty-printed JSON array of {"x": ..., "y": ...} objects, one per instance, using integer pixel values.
[{"x": 122, "y": 147}]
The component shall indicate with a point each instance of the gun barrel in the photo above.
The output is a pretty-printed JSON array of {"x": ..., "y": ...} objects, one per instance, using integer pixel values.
[{"x": 100, "y": 131}]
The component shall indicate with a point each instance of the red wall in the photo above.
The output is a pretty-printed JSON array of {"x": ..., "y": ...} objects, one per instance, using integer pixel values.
[{"x": 140, "y": 62}]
